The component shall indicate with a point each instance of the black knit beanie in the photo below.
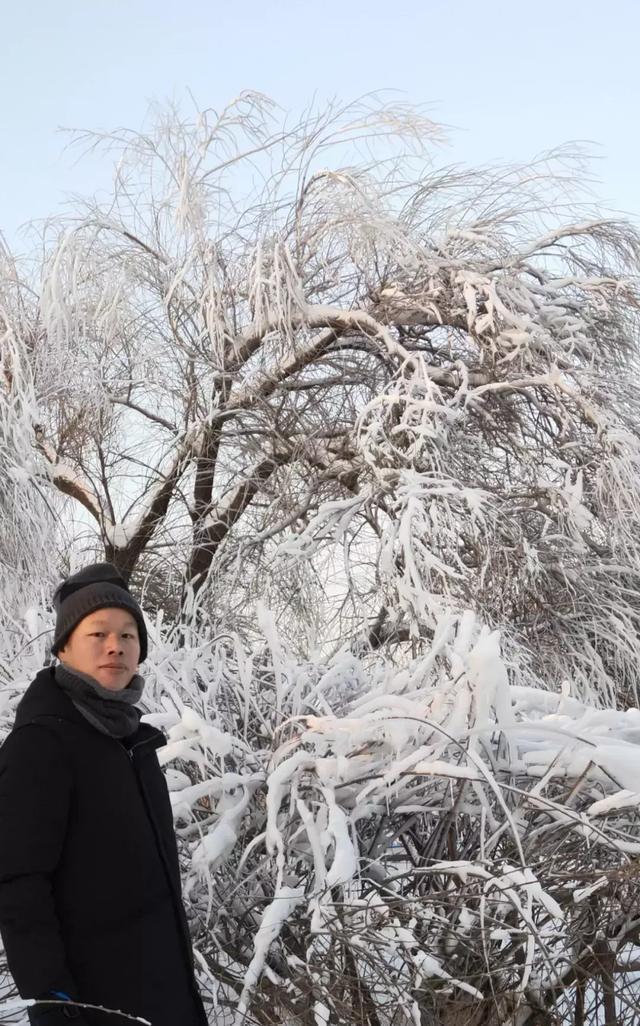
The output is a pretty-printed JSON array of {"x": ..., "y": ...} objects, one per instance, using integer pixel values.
[{"x": 98, "y": 586}]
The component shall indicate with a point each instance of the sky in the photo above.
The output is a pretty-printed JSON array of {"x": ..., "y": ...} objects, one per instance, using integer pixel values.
[{"x": 509, "y": 80}]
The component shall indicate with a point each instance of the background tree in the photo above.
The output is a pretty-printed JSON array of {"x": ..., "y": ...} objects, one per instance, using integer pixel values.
[
  {"x": 296, "y": 375},
  {"x": 243, "y": 333},
  {"x": 29, "y": 535}
]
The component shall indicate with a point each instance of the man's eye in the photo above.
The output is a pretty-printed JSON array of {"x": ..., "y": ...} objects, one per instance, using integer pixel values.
[{"x": 96, "y": 634}]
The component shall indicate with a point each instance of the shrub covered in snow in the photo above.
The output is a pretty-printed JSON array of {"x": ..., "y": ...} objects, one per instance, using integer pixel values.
[{"x": 370, "y": 843}]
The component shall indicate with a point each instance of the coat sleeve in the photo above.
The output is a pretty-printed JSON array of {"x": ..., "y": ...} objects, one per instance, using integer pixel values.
[{"x": 35, "y": 795}]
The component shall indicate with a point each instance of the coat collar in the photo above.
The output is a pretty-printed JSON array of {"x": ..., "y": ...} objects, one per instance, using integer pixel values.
[{"x": 43, "y": 697}]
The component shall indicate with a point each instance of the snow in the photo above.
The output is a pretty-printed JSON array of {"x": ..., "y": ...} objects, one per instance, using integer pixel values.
[
  {"x": 345, "y": 860},
  {"x": 191, "y": 735},
  {"x": 275, "y": 915},
  {"x": 621, "y": 800},
  {"x": 119, "y": 535},
  {"x": 427, "y": 965},
  {"x": 582, "y": 893},
  {"x": 215, "y": 847},
  {"x": 321, "y": 1013},
  {"x": 440, "y": 768}
]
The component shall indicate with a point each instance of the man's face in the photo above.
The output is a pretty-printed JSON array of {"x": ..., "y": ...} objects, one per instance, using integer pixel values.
[{"x": 106, "y": 646}]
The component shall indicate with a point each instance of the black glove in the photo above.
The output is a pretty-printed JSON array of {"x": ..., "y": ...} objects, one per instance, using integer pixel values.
[{"x": 62, "y": 1013}]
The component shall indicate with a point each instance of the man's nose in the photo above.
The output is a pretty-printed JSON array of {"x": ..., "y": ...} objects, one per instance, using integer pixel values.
[{"x": 114, "y": 644}]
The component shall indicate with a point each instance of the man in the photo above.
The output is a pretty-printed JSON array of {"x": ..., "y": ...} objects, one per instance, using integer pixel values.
[{"x": 90, "y": 904}]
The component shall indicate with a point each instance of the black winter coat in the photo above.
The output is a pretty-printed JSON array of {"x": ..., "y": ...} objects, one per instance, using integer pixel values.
[{"x": 90, "y": 899}]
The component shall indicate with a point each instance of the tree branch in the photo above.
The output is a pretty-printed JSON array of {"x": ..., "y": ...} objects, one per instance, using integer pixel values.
[
  {"x": 222, "y": 518},
  {"x": 66, "y": 480}
]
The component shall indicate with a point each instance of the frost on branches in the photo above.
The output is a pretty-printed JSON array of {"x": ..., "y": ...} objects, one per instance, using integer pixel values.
[
  {"x": 371, "y": 843},
  {"x": 364, "y": 433},
  {"x": 307, "y": 334}
]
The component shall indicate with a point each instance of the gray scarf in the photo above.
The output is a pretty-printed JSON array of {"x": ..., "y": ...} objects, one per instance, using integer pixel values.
[{"x": 110, "y": 712}]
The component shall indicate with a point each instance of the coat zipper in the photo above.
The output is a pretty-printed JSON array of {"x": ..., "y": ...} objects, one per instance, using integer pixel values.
[{"x": 176, "y": 897}]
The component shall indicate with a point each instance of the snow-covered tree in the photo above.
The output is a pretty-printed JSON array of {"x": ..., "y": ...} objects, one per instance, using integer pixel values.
[
  {"x": 345, "y": 415},
  {"x": 28, "y": 539}
]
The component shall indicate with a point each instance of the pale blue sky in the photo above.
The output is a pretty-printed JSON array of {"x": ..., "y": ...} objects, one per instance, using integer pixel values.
[{"x": 511, "y": 79}]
